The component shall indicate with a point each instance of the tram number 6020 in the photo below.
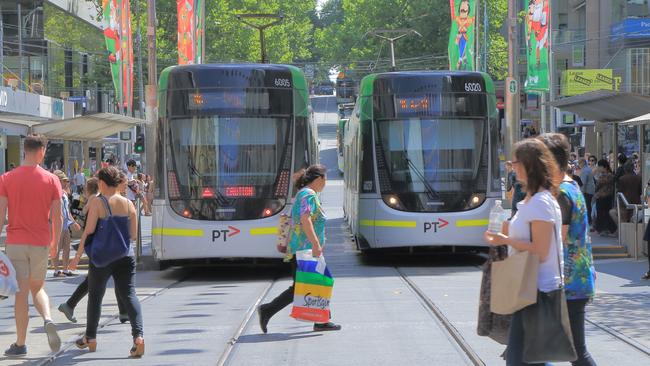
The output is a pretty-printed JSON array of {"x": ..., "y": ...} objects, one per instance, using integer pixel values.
[{"x": 473, "y": 87}]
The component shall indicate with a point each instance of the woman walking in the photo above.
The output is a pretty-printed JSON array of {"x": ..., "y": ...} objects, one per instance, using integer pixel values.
[
  {"x": 111, "y": 203},
  {"x": 604, "y": 197},
  {"x": 67, "y": 308},
  {"x": 579, "y": 272},
  {"x": 308, "y": 232},
  {"x": 535, "y": 228}
]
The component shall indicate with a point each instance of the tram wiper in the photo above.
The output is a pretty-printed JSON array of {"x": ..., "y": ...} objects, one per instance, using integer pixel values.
[{"x": 431, "y": 193}]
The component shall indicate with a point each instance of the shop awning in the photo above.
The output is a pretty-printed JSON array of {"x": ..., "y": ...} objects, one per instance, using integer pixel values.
[
  {"x": 91, "y": 127},
  {"x": 21, "y": 120},
  {"x": 637, "y": 120},
  {"x": 605, "y": 105}
]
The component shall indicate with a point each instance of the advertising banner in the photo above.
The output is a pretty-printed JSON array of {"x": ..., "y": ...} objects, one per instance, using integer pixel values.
[
  {"x": 575, "y": 82},
  {"x": 191, "y": 30},
  {"x": 537, "y": 40},
  {"x": 119, "y": 43},
  {"x": 461, "y": 35}
]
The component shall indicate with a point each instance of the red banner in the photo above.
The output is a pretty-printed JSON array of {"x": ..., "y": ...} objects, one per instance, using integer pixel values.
[{"x": 190, "y": 31}]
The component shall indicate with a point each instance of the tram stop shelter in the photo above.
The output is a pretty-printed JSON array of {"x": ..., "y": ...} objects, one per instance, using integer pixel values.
[
  {"x": 89, "y": 129},
  {"x": 610, "y": 109}
]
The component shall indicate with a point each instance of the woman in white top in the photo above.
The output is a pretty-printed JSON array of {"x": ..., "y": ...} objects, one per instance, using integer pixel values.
[{"x": 536, "y": 228}]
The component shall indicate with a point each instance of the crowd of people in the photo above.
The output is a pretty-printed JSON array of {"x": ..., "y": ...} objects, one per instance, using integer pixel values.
[{"x": 38, "y": 209}]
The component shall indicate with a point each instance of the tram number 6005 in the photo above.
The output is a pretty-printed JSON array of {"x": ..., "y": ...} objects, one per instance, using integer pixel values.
[
  {"x": 473, "y": 87},
  {"x": 283, "y": 83}
]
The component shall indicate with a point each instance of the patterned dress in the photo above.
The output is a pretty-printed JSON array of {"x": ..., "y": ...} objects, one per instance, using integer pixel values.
[
  {"x": 579, "y": 272},
  {"x": 307, "y": 202}
]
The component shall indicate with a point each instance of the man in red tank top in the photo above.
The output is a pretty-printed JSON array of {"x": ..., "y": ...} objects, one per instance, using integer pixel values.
[{"x": 33, "y": 197}]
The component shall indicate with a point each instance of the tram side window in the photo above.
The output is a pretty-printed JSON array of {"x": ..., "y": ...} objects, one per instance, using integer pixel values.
[{"x": 367, "y": 180}]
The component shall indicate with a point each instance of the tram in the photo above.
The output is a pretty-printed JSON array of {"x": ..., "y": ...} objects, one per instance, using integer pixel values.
[
  {"x": 229, "y": 138},
  {"x": 420, "y": 160}
]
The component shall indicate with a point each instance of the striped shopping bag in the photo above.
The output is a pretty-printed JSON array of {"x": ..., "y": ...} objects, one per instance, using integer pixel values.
[{"x": 313, "y": 289}]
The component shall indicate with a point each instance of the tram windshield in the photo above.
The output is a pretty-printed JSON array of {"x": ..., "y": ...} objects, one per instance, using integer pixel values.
[
  {"x": 433, "y": 165},
  {"x": 229, "y": 167}
]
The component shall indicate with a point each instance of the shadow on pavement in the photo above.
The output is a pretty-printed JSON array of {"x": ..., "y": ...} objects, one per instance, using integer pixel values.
[
  {"x": 275, "y": 337},
  {"x": 627, "y": 313}
]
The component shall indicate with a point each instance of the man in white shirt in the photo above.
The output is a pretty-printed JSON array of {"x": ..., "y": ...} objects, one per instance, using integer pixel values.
[
  {"x": 79, "y": 181},
  {"x": 132, "y": 189}
]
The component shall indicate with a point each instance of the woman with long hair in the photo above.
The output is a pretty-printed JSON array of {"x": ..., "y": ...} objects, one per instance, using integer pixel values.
[
  {"x": 534, "y": 228},
  {"x": 308, "y": 220},
  {"x": 111, "y": 203}
]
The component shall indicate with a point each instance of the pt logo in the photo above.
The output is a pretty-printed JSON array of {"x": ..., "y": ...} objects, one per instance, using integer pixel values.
[
  {"x": 435, "y": 225},
  {"x": 224, "y": 234}
]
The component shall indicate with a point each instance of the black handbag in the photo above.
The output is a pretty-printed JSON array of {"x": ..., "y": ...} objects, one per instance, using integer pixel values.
[{"x": 547, "y": 330}]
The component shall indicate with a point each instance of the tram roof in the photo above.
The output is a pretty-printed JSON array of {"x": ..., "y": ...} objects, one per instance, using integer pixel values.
[{"x": 419, "y": 80}]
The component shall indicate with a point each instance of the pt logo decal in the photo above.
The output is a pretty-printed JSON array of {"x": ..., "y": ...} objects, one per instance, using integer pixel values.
[
  {"x": 435, "y": 225},
  {"x": 224, "y": 234}
]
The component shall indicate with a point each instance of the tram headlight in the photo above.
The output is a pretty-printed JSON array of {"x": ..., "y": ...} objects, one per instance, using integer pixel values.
[
  {"x": 392, "y": 201},
  {"x": 475, "y": 200}
]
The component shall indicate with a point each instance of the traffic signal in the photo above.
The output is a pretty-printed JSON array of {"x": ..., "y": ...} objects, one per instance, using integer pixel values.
[{"x": 138, "y": 148}]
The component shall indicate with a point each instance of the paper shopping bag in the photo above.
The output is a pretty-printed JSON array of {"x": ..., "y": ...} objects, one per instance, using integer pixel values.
[
  {"x": 313, "y": 289},
  {"x": 514, "y": 283}
]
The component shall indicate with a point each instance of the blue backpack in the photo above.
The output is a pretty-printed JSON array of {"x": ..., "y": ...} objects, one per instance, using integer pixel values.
[{"x": 111, "y": 240}]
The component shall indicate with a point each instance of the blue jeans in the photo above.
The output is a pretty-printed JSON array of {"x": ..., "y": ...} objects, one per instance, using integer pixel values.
[{"x": 515, "y": 350}]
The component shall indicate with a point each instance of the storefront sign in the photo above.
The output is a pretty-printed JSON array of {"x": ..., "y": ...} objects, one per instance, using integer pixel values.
[
  {"x": 631, "y": 29},
  {"x": 575, "y": 82}
]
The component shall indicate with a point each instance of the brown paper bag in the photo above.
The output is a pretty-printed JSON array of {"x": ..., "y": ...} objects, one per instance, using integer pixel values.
[{"x": 514, "y": 283}]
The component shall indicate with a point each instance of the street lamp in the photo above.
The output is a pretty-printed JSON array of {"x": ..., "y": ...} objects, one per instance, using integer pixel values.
[
  {"x": 278, "y": 19},
  {"x": 397, "y": 34}
]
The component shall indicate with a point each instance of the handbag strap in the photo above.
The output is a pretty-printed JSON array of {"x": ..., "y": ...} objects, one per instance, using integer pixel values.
[{"x": 106, "y": 205}]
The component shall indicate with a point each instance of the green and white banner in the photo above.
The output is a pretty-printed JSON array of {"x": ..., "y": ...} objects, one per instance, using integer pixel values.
[
  {"x": 462, "y": 33},
  {"x": 537, "y": 38}
]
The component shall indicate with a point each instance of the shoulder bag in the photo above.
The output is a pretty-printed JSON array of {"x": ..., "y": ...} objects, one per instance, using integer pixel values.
[
  {"x": 111, "y": 240},
  {"x": 547, "y": 330},
  {"x": 514, "y": 282}
]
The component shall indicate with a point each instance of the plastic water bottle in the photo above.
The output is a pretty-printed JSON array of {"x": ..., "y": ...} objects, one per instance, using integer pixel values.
[{"x": 497, "y": 216}]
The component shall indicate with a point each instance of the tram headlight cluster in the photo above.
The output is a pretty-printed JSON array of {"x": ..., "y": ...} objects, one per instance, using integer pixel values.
[{"x": 392, "y": 201}]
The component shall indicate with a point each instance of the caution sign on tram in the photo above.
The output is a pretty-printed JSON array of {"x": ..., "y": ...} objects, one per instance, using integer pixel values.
[{"x": 435, "y": 225}]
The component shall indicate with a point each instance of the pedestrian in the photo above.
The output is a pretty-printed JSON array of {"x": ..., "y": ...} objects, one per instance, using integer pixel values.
[
  {"x": 79, "y": 180},
  {"x": 67, "y": 308},
  {"x": 61, "y": 268},
  {"x": 604, "y": 197},
  {"x": 131, "y": 180},
  {"x": 622, "y": 159},
  {"x": 646, "y": 235},
  {"x": 588, "y": 183},
  {"x": 533, "y": 228},
  {"x": 579, "y": 272},
  {"x": 631, "y": 185},
  {"x": 33, "y": 197},
  {"x": 511, "y": 179},
  {"x": 308, "y": 220},
  {"x": 111, "y": 203},
  {"x": 149, "y": 196}
]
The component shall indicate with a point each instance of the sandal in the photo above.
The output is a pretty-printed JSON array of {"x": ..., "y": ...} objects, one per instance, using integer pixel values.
[
  {"x": 85, "y": 342},
  {"x": 137, "y": 350}
]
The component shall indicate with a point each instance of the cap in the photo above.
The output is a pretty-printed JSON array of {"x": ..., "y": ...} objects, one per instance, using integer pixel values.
[{"x": 61, "y": 175}]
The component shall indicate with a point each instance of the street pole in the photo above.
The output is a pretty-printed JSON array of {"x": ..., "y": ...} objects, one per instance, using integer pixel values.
[
  {"x": 551, "y": 77},
  {"x": 2, "y": 49},
  {"x": 261, "y": 27},
  {"x": 401, "y": 33},
  {"x": 512, "y": 96},
  {"x": 150, "y": 130},
  {"x": 140, "y": 77},
  {"x": 20, "y": 45}
]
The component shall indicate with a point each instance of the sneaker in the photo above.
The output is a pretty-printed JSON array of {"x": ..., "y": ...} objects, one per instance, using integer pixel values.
[
  {"x": 68, "y": 311},
  {"x": 322, "y": 327},
  {"x": 52, "y": 336},
  {"x": 646, "y": 276},
  {"x": 16, "y": 351}
]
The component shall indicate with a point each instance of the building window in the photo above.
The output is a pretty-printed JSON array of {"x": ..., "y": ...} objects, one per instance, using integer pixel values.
[{"x": 640, "y": 71}]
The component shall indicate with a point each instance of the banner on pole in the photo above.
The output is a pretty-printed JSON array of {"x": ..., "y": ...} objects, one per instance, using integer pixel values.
[
  {"x": 461, "y": 47},
  {"x": 190, "y": 31},
  {"x": 119, "y": 43},
  {"x": 537, "y": 37}
]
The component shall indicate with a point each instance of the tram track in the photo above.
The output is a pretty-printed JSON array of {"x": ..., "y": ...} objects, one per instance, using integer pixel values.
[
  {"x": 621, "y": 337},
  {"x": 233, "y": 341},
  {"x": 71, "y": 341},
  {"x": 454, "y": 334}
]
